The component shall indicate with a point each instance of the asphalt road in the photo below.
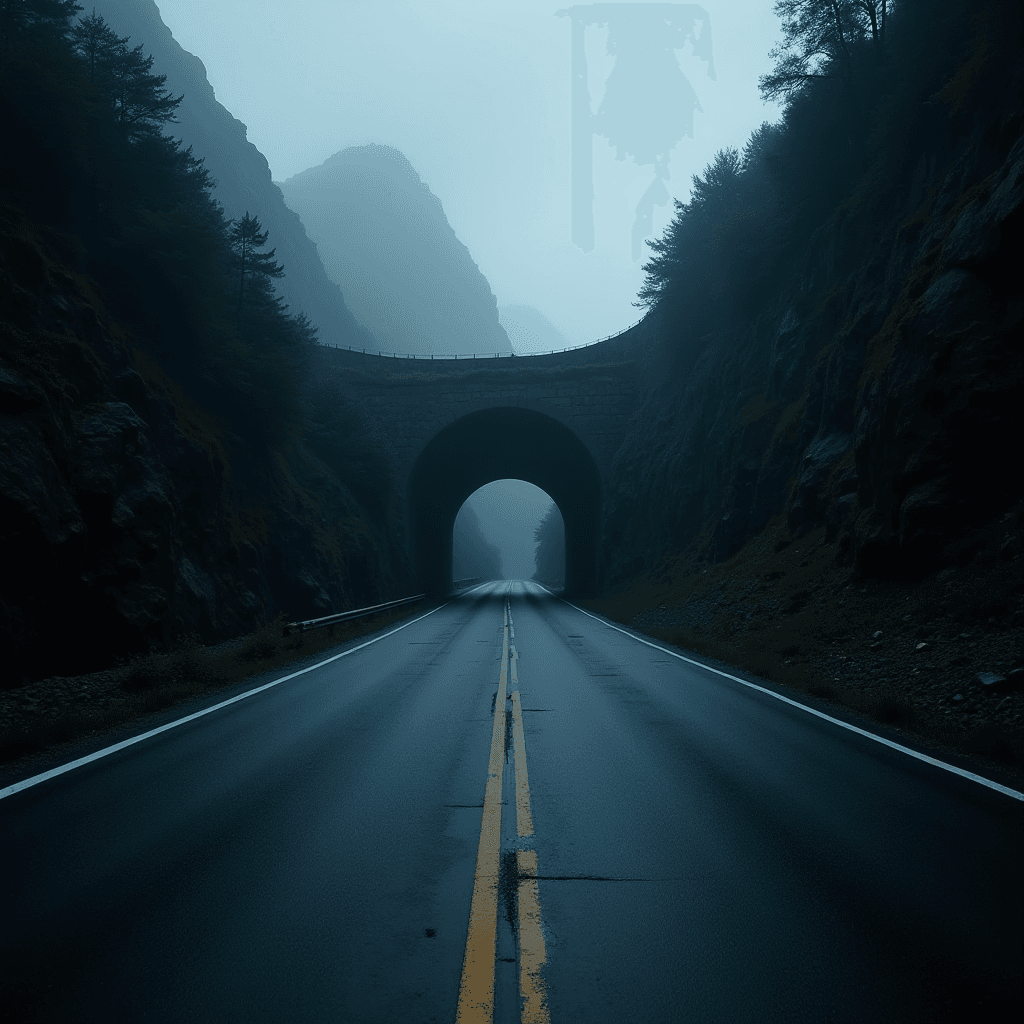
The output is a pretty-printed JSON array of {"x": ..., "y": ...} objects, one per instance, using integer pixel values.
[{"x": 704, "y": 852}]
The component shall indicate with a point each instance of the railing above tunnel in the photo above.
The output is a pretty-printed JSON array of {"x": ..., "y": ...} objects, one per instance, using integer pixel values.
[{"x": 477, "y": 355}]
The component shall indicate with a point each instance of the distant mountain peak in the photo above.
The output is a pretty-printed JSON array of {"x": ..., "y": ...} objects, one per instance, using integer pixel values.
[
  {"x": 385, "y": 240},
  {"x": 374, "y": 154},
  {"x": 375, "y": 157}
]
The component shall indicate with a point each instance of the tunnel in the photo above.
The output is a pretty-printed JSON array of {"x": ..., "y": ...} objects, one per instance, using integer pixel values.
[{"x": 498, "y": 444}]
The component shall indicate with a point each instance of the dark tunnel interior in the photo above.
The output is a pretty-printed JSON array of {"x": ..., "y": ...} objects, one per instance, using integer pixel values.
[{"x": 496, "y": 444}]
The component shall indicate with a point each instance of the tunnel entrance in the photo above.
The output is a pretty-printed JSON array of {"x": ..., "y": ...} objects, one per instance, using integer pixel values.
[{"x": 497, "y": 444}]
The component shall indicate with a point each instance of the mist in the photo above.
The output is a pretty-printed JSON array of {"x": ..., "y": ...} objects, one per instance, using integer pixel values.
[
  {"x": 478, "y": 98},
  {"x": 508, "y": 513}
]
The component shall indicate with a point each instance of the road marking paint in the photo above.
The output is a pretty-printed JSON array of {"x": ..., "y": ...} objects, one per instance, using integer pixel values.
[
  {"x": 963, "y": 773},
  {"x": 476, "y": 989},
  {"x": 53, "y": 772},
  {"x": 532, "y": 954},
  {"x": 524, "y": 819}
]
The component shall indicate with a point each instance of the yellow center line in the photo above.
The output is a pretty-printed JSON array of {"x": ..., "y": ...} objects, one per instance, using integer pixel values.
[
  {"x": 476, "y": 990},
  {"x": 532, "y": 954},
  {"x": 524, "y": 819}
]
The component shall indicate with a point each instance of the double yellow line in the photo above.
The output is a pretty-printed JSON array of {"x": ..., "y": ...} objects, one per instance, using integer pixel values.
[{"x": 476, "y": 991}]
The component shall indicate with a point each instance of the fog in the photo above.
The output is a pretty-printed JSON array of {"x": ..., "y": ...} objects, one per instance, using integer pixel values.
[
  {"x": 508, "y": 512},
  {"x": 478, "y": 97}
]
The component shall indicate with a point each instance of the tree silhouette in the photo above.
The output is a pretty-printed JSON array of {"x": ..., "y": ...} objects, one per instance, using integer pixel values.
[
  {"x": 140, "y": 104},
  {"x": 550, "y": 556},
  {"x": 818, "y": 39},
  {"x": 98, "y": 45},
  {"x": 24, "y": 19},
  {"x": 246, "y": 239}
]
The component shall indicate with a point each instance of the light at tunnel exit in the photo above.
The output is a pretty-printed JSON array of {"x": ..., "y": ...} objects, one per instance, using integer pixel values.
[
  {"x": 508, "y": 513},
  {"x": 500, "y": 444}
]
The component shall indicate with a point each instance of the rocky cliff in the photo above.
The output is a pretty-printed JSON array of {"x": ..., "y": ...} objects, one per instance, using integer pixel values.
[
  {"x": 384, "y": 238},
  {"x": 130, "y": 516},
  {"x": 876, "y": 396},
  {"x": 841, "y": 462},
  {"x": 239, "y": 168}
]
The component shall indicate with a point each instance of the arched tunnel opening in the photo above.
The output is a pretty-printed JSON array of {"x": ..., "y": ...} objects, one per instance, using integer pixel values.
[
  {"x": 502, "y": 444},
  {"x": 511, "y": 530}
]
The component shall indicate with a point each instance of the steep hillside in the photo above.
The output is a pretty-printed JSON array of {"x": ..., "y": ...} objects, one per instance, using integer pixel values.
[
  {"x": 137, "y": 518},
  {"x": 821, "y": 484},
  {"x": 384, "y": 238},
  {"x": 168, "y": 466},
  {"x": 241, "y": 172}
]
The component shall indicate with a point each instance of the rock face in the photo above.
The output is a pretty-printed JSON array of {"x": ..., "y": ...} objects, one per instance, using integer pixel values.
[
  {"x": 879, "y": 394},
  {"x": 127, "y": 517},
  {"x": 239, "y": 168},
  {"x": 384, "y": 239}
]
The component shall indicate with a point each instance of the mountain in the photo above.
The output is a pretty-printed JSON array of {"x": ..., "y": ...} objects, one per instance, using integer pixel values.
[
  {"x": 530, "y": 330},
  {"x": 240, "y": 169},
  {"x": 166, "y": 470},
  {"x": 384, "y": 239}
]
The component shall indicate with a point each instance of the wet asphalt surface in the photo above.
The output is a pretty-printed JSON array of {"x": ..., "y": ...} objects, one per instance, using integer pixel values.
[{"x": 706, "y": 853}]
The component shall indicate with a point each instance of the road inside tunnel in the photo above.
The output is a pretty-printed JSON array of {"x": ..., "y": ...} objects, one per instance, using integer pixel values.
[{"x": 496, "y": 444}]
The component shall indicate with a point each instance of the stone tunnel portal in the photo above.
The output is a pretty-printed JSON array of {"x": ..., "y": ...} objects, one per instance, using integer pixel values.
[{"x": 497, "y": 444}]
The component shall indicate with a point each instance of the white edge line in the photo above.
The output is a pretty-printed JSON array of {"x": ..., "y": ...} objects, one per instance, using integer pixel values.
[
  {"x": 820, "y": 714},
  {"x": 36, "y": 779}
]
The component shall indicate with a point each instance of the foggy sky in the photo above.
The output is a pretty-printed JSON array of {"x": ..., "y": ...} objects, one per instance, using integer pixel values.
[{"x": 477, "y": 96}]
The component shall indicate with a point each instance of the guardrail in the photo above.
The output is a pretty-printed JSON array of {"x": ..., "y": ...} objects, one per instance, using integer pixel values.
[
  {"x": 358, "y": 613},
  {"x": 467, "y": 581},
  {"x": 497, "y": 355}
]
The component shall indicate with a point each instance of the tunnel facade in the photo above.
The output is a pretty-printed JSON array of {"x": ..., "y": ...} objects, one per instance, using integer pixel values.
[
  {"x": 451, "y": 426},
  {"x": 496, "y": 444}
]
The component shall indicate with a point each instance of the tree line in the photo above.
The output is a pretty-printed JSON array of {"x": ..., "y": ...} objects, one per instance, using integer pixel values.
[
  {"x": 866, "y": 87},
  {"x": 88, "y": 151},
  {"x": 550, "y": 557}
]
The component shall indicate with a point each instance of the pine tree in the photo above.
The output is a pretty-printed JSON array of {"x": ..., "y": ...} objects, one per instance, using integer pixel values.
[
  {"x": 246, "y": 239},
  {"x": 140, "y": 104},
  {"x": 697, "y": 229},
  {"x": 97, "y": 44},
  {"x": 27, "y": 19}
]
